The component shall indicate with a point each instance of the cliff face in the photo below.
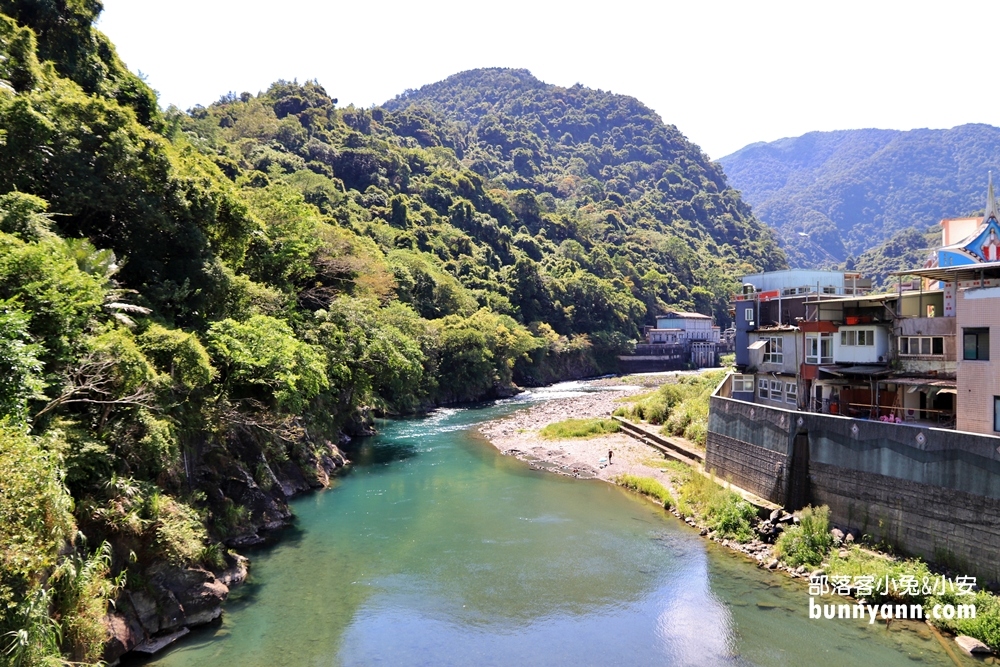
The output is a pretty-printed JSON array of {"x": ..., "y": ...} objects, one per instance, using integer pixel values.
[{"x": 171, "y": 598}]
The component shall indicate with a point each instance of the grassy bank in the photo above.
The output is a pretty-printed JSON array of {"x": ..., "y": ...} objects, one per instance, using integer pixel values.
[
  {"x": 579, "y": 428},
  {"x": 647, "y": 486},
  {"x": 811, "y": 543},
  {"x": 681, "y": 407}
]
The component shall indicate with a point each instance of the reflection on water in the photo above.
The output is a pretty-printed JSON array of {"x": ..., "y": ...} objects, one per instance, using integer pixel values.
[{"x": 437, "y": 550}]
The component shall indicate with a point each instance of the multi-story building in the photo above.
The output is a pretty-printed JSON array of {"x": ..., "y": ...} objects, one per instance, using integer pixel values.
[
  {"x": 926, "y": 353},
  {"x": 767, "y": 314}
]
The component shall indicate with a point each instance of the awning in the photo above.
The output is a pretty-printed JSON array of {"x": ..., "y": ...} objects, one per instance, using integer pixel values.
[
  {"x": 948, "y": 390},
  {"x": 757, "y": 345},
  {"x": 954, "y": 273},
  {"x": 856, "y": 370},
  {"x": 922, "y": 382}
]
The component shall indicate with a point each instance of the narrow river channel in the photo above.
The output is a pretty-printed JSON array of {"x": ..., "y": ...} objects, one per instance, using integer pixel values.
[{"x": 437, "y": 550}]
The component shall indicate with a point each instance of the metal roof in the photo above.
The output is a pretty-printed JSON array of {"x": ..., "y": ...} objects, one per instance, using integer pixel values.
[
  {"x": 680, "y": 314},
  {"x": 954, "y": 273},
  {"x": 856, "y": 370},
  {"x": 923, "y": 382}
]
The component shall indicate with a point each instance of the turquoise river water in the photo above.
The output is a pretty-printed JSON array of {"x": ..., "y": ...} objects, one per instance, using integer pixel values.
[{"x": 437, "y": 550}]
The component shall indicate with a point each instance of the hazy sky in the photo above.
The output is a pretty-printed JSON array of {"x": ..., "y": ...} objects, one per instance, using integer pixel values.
[{"x": 726, "y": 73}]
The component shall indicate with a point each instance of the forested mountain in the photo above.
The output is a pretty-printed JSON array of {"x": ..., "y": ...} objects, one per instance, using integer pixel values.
[
  {"x": 195, "y": 306},
  {"x": 906, "y": 249},
  {"x": 610, "y": 181},
  {"x": 834, "y": 195}
]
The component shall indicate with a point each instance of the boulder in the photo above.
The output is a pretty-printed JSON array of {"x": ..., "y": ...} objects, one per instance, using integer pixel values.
[
  {"x": 838, "y": 536},
  {"x": 849, "y": 538},
  {"x": 972, "y": 646},
  {"x": 145, "y": 610},
  {"x": 191, "y": 596},
  {"x": 236, "y": 573},
  {"x": 124, "y": 634}
]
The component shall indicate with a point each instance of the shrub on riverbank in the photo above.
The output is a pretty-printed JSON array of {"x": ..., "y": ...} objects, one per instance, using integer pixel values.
[
  {"x": 579, "y": 428},
  {"x": 646, "y": 486},
  {"x": 722, "y": 510},
  {"x": 681, "y": 407},
  {"x": 808, "y": 542},
  {"x": 861, "y": 562},
  {"x": 985, "y": 626}
]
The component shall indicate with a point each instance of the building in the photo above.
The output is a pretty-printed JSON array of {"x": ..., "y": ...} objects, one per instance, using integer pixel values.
[
  {"x": 819, "y": 341},
  {"x": 677, "y": 327},
  {"x": 909, "y": 382},
  {"x": 768, "y": 344},
  {"x": 679, "y": 340}
]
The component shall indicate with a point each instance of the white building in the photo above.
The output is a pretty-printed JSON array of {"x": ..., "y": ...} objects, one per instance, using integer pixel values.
[{"x": 679, "y": 327}]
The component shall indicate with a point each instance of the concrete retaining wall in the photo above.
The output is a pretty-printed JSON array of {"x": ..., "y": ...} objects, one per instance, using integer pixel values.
[{"x": 930, "y": 492}]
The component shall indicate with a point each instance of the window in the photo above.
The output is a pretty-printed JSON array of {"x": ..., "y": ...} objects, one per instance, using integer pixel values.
[
  {"x": 791, "y": 393},
  {"x": 930, "y": 310},
  {"x": 976, "y": 344},
  {"x": 775, "y": 390},
  {"x": 743, "y": 383},
  {"x": 819, "y": 348},
  {"x": 924, "y": 346},
  {"x": 762, "y": 388},
  {"x": 829, "y": 290},
  {"x": 996, "y": 413},
  {"x": 772, "y": 352},
  {"x": 748, "y": 314},
  {"x": 861, "y": 337}
]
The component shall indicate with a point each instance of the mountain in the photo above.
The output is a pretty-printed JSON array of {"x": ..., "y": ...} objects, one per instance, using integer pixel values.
[
  {"x": 609, "y": 176},
  {"x": 834, "y": 195},
  {"x": 195, "y": 306}
]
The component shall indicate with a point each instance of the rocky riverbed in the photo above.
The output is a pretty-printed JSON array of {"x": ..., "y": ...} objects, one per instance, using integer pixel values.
[{"x": 583, "y": 458}]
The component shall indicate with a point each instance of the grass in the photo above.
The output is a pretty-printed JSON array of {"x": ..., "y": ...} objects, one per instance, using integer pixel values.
[
  {"x": 722, "y": 510},
  {"x": 809, "y": 541},
  {"x": 985, "y": 626},
  {"x": 861, "y": 562},
  {"x": 681, "y": 407},
  {"x": 579, "y": 428},
  {"x": 647, "y": 486}
]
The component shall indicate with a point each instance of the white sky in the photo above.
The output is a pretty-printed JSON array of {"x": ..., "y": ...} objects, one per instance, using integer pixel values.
[{"x": 726, "y": 73}]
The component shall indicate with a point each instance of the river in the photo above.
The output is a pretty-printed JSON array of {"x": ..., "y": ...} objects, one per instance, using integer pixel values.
[{"x": 437, "y": 550}]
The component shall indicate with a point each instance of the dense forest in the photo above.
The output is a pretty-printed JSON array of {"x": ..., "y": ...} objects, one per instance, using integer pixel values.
[
  {"x": 832, "y": 196},
  {"x": 197, "y": 307}
]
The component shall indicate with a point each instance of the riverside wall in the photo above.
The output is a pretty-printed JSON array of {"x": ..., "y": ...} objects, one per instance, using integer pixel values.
[{"x": 929, "y": 492}]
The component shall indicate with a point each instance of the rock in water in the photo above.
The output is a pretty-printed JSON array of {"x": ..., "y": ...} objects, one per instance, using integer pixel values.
[{"x": 972, "y": 646}]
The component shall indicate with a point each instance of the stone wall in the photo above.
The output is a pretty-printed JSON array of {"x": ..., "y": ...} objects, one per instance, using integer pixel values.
[{"x": 930, "y": 492}]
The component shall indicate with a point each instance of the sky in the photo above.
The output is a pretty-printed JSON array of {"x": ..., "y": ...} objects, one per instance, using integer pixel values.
[{"x": 727, "y": 74}]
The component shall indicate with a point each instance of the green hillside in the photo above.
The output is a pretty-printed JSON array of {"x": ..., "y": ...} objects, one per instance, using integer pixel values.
[
  {"x": 194, "y": 306},
  {"x": 834, "y": 195},
  {"x": 610, "y": 178}
]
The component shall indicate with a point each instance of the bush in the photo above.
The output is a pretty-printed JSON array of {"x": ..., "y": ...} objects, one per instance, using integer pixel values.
[
  {"x": 860, "y": 562},
  {"x": 579, "y": 428},
  {"x": 985, "y": 626},
  {"x": 732, "y": 517},
  {"x": 647, "y": 486},
  {"x": 808, "y": 542},
  {"x": 682, "y": 407},
  {"x": 722, "y": 510}
]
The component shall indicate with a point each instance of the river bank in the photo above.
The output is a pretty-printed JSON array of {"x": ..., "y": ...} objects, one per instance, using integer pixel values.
[
  {"x": 520, "y": 435},
  {"x": 583, "y": 458},
  {"x": 434, "y": 548}
]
